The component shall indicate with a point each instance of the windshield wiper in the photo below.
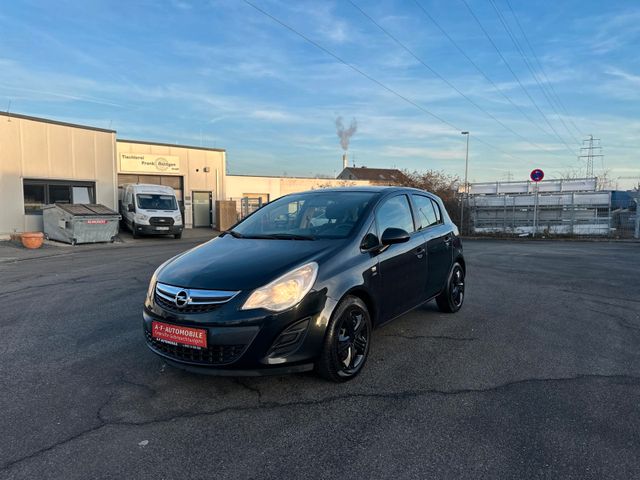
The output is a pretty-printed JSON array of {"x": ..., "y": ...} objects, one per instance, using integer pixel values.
[
  {"x": 287, "y": 236},
  {"x": 233, "y": 233}
]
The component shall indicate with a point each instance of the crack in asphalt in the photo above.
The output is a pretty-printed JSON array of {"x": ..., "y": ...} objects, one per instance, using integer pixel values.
[
  {"x": 607, "y": 297},
  {"x": 620, "y": 320},
  {"x": 435, "y": 337},
  {"x": 243, "y": 383},
  {"x": 148, "y": 389},
  {"x": 103, "y": 422}
]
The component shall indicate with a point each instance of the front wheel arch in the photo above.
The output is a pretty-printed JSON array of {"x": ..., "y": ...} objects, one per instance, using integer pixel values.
[
  {"x": 368, "y": 300},
  {"x": 329, "y": 364}
]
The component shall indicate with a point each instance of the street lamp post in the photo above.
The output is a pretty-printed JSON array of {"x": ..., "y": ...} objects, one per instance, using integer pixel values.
[{"x": 466, "y": 186}]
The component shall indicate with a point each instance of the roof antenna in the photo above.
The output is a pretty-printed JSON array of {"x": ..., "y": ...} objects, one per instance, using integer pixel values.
[{"x": 8, "y": 114}]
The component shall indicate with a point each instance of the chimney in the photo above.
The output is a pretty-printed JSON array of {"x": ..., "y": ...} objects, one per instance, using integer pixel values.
[{"x": 345, "y": 161}]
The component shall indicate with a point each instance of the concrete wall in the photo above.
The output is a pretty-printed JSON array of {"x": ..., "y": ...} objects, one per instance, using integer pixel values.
[
  {"x": 239, "y": 186},
  {"x": 192, "y": 162},
  {"x": 39, "y": 149}
]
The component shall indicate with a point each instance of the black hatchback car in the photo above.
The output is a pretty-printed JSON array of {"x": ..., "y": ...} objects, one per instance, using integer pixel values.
[{"x": 301, "y": 283}]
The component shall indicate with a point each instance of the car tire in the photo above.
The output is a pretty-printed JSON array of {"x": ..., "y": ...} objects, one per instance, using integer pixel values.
[
  {"x": 452, "y": 297},
  {"x": 347, "y": 340},
  {"x": 177, "y": 236},
  {"x": 133, "y": 230}
]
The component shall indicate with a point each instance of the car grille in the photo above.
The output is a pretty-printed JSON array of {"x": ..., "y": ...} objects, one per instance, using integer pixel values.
[
  {"x": 172, "y": 307},
  {"x": 161, "y": 221},
  {"x": 198, "y": 301},
  {"x": 212, "y": 355}
]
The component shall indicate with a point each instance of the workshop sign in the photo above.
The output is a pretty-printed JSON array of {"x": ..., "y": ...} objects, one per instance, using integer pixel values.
[{"x": 147, "y": 163}]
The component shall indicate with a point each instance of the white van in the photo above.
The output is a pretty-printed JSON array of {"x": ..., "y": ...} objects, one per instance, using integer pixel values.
[{"x": 150, "y": 209}]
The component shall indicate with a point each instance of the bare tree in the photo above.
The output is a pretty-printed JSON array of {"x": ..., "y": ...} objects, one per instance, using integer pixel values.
[
  {"x": 571, "y": 174},
  {"x": 605, "y": 182},
  {"x": 440, "y": 183}
]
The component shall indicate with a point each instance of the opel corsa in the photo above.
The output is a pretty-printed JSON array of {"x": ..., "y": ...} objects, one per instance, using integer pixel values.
[{"x": 301, "y": 283}]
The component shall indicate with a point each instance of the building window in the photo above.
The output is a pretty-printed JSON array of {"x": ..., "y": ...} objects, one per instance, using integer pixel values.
[
  {"x": 38, "y": 193},
  {"x": 59, "y": 194},
  {"x": 33, "y": 198}
]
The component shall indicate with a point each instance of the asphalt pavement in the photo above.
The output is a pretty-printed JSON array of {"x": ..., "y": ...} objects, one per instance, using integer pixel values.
[{"x": 538, "y": 376}]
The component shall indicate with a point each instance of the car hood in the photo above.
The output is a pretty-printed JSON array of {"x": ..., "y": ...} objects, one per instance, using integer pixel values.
[{"x": 228, "y": 263}]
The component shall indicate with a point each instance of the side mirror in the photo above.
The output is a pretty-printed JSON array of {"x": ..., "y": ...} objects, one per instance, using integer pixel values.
[
  {"x": 394, "y": 235},
  {"x": 370, "y": 242},
  {"x": 131, "y": 208}
]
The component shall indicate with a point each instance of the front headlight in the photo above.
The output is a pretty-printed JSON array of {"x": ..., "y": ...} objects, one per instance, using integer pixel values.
[
  {"x": 178, "y": 219},
  {"x": 284, "y": 292},
  {"x": 152, "y": 284},
  {"x": 141, "y": 217},
  {"x": 154, "y": 279}
]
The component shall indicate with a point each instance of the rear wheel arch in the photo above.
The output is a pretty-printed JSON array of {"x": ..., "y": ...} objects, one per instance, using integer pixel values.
[{"x": 460, "y": 260}]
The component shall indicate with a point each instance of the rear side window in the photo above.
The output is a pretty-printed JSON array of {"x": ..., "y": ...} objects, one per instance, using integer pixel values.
[
  {"x": 395, "y": 213},
  {"x": 436, "y": 208},
  {"x": 427, "y": 213}
]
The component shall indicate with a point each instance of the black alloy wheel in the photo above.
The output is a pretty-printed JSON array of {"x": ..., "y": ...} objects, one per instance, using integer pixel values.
[
  {"x": 346, "y": 345},
  {"x": 452, "y": 297}
]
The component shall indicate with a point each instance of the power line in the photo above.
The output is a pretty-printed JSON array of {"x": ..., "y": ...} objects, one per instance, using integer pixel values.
[
  {"x": 516, "y": 76},
  {"x": 475, "y": 65},
  {"x": 434, "y": 72},
  {"x": 530, "y": 67},
  {"x": 372, "y": 79},
  {"x": 542, "y": 69}
]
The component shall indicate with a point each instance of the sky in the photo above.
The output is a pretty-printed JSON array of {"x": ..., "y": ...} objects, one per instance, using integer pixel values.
[{"x": 413, "y": 73}]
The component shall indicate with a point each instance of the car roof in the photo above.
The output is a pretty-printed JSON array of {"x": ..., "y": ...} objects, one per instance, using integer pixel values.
[
  {"x": 367, "y": 188},
  {"x": 149, "y": 187}
]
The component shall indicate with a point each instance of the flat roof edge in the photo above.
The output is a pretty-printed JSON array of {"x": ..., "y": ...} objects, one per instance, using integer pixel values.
[
  {"x": 162, "y": 144},
  {"x": 55, "y": 122}
]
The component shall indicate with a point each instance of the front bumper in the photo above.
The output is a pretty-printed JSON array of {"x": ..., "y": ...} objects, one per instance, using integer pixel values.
[
  {"x": 249, "y": 342},
  {"x": 158, "y": 229}
]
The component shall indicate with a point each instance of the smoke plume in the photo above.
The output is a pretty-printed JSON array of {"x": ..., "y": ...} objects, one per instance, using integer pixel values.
[{"x": 345, "y": 134}]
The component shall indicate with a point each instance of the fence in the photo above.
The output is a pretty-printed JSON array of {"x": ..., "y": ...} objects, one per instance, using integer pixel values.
[
  {"x": 570, "y": 214},
  {"x": 247, "y": 205}
]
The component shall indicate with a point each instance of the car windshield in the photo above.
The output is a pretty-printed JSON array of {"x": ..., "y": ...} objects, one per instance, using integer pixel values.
[
  {"x": 307, "y": 216},
  {"x": 151, "y": 201}
]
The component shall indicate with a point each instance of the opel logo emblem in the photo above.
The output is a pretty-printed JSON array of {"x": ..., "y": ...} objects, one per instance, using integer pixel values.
[{"x": 182, "y": 298}]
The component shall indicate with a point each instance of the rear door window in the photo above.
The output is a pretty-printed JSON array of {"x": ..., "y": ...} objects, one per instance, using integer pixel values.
[
  {"x": 425, "y": 213},
  {"x": 436, "y": 208}
]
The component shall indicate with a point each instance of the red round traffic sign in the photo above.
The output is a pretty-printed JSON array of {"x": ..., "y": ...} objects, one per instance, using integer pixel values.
[{"x": 536, "y": 175}]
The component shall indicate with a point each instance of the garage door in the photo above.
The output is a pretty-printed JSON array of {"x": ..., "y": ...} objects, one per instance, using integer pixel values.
[{"x": 172, "y": 181}]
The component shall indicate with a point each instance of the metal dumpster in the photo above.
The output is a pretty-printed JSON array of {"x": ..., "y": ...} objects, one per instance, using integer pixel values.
[{"x": 79, "y": 223}]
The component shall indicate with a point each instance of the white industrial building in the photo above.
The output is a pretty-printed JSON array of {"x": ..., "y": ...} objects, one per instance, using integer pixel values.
[
  {"x": 556, "y": 207},
  {"x": 45, "y": 161}
]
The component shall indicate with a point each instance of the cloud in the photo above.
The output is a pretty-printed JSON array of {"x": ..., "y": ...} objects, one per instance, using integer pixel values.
[
  {"x": 612, "y": 31},
  {"x": 634, "y": 80},
  {"x": 273, "y": 115}
]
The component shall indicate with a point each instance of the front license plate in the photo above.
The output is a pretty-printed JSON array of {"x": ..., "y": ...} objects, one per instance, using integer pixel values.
[
  {"x": 162, "y": 228},
  {"x": 176, "y": 335}
]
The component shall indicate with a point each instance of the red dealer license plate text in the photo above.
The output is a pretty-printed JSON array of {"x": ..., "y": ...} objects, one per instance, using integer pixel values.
[{"x": 174, "y": 334}]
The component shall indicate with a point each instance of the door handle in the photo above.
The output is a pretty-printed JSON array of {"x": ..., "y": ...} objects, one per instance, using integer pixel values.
[
  {"x": 419, "y": 252},
  {"x": 447, "y": 240}
]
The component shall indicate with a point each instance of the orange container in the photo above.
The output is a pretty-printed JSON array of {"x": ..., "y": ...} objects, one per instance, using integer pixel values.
[{"x": 32, "y": 239}]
